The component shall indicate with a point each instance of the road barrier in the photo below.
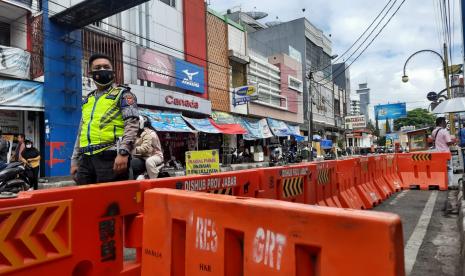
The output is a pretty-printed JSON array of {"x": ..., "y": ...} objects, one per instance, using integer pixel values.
[
  {"x": 424, "y": 170},
  {"x": 189, "y": 233},
  {"x": 349, "y": 196},
  {"x": 83, "y": 230},
  {"x": 327, "y": 191}
]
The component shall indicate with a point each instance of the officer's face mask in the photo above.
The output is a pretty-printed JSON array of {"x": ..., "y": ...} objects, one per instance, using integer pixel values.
[{"x": 103, "y": 77}]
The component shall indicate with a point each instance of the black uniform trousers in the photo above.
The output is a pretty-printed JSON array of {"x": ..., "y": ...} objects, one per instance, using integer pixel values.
[{"x": 98, "y": 168}]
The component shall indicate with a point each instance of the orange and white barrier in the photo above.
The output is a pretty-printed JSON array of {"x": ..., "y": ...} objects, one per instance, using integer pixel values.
[{"x": 193, "y": 234}]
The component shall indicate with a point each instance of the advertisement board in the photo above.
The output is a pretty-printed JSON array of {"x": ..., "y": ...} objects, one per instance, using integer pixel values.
[
  {"x": 390, "y": 111},
  {"x": 355, "y": 122},
  {"x": 190, "y": 76},
  {"x": 15, "y": 62},
  {"x": 244, "y": 94},
  {"x": 155, "y": 66},
  {"x": 202, "y": 162}
]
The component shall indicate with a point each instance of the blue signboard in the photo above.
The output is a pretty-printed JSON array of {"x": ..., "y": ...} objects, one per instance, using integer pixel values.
[
  {"x": 19, "y": 94},
  {"x": 390, "y": 111},
  {"x": 190, "y": 76}
]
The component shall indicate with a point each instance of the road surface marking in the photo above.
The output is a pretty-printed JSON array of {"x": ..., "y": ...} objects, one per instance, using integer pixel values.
[
  {"x": 399, "y": 196},
  {"x": 416, "y": 239}
]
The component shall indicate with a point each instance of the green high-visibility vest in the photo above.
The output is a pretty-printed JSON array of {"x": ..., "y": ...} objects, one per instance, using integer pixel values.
[{"x": 102, "y": 120}]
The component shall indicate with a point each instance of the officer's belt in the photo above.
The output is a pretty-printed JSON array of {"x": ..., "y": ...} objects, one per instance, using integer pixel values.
[{"x": 92, "y": 148}]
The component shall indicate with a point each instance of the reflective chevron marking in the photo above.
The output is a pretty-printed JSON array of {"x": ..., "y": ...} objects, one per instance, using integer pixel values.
[
  {"x": 23, "y": 232},
  {"x": 227, "y": 191},
  {"x": 324, "y": 176},
  {"x": 293, "y": 186},
  {"x": 422, "y": 157}
]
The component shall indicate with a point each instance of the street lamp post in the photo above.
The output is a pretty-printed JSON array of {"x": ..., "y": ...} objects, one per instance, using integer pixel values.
[{"x": 445, "y": 65}]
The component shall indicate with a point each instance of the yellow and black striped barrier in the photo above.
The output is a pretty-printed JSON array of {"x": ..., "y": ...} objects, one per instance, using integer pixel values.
[
  {"x": 227, "y": 191},
  {"x": 422, "y": 157},
  {"x": 293, "y": 186},
  {"x": 324, "y": 176}
]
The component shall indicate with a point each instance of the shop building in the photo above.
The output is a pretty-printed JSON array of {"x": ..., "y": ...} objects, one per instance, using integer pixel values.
[{"x": 21, "y": 72}]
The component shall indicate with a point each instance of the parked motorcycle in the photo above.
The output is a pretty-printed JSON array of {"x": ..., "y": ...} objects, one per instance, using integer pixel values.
[{"x": 14, "y": 178}]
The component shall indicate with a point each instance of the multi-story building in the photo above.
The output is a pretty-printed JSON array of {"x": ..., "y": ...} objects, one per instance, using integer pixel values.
[
  {"x": 21, "y": 56},
  {"x": 304, "y": 42},
  {"x": 364, "y": 93},
  {"x": 354, "y": 107},
  {"x": 341, "y": 76}
]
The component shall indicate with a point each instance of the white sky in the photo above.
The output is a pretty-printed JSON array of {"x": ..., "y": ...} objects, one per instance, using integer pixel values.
[{"x": 416, "y": 26}]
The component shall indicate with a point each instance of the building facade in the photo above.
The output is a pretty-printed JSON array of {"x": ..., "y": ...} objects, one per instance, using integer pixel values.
[
  {"x": 341, "y": 76},
  {"x": 364, "y": 93},
  {"x": 354, "y": 107}
]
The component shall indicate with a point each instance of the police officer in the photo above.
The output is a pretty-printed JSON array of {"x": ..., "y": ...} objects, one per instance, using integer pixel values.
[{"x": 108, "y": 128}]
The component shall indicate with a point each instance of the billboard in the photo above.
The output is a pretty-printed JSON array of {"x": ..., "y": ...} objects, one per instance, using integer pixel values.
[
  {"x": 244, "y": 94},
  {"x": 390, "y": 111},
  {"x": 355, "y": 122},
  {"x": 155, "y": 66},
  {"x": 190, "y": 76}
]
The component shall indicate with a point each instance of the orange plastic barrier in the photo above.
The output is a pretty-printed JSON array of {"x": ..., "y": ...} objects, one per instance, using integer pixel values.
[
  {"x": 327, "y": 191},
  {"x": 377, "y": 170},
  {"x": 289, "y": 183},
  {"x": 188, "y": 233},
  {"x": 392, "y": 176},
  {"x": 349, "y": 196},
  {"x": 424, "y": 170},
  {"x": 364, "y": 184},
  {"x": 237, "y": 183},
  {"x": 69, "y": 231}
]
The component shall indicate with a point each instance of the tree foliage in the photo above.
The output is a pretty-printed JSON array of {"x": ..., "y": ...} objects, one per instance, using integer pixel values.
[{"x": 418, "y": 117}]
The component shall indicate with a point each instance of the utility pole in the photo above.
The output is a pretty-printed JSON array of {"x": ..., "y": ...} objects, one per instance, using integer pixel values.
[
  {"x": 310, "y": 115},
  {"x": 449, "y": 94}
]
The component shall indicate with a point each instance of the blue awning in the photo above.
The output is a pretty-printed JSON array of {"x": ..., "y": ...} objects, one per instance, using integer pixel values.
[
  {"x": 257, "y": 129},
  {"x": 21, "y": 95},
  {"x": 283, "y": 129},
  {"x": 166, "y": 121},
  {"x": 202, "y": 125}
]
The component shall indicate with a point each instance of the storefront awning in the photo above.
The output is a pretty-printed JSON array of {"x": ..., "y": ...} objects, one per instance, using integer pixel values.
[
  {"x": 256, "y": 129},
  {"x": 283, "y": 129},
  {"x": 202, "y": 125},
  {"x": 167, "y": 122},
  {"x": 229, "y": 128},
  {"x": 21, "y": 95}
]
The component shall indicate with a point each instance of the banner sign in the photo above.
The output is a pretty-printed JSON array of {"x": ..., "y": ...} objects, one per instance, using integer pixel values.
[
  {"x": 171, "y": 122},
  {"x": 355, "y": 122},
  {"x": 224, "y": 118},
  {"x": 22, "y": 95},
  {"x": 202, "y": 125},
  {"x": 14, "y": 62},
  {"x": 244, "y": 94},
  {"x": 257, "y": 129},
  {"x": 155, "y": 66},
  {"x": 390, "y": 111},
  {"x": 202, "y": 162},
  {"x": 190, "y": 76}
]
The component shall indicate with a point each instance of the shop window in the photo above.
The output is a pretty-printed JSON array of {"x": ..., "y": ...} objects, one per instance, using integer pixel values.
[
  {"x": 4, "y": 34},
  {"x": 171, "y": 3},
  {"x": 295, "y": 84}
]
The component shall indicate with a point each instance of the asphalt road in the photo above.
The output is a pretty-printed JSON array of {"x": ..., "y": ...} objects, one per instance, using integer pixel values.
[{"x": 431, "y": 239}]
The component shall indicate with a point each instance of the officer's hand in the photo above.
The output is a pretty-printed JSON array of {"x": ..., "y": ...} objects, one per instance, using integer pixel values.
[
  {"x": 73, "y": 171},
  {"x": 121, "y": 164}
]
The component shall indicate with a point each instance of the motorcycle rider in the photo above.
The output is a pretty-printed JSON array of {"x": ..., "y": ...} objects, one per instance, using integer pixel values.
[
  {"x": 108, "y": 128},
  {"x": 31, "y": 156}
]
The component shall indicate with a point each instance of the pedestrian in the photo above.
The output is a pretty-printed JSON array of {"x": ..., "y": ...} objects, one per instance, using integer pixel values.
[
  {"x": 19, "y": 148},
  {"x": 441, "y": 136},
  {"x": 142, "y": 149},
  {"x": 31, "y": 156},
  {"x": 153, "y": 162},
  {"x": 442, "y": 141},
  {"x": 108, "y": 128},
  {"x": 4, "y": 148}
]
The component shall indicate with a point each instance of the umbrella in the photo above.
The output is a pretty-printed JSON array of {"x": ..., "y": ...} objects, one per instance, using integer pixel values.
[{"x": 451, "y": 106}]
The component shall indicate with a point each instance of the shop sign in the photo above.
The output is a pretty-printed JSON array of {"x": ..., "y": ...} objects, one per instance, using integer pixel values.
[
  {"x": 155, "y": 66},
  {"x": 10, "y": 121},
  {"x": 202, "y": 162},
  {"x": 190, "y": 76},
  {"x": 185, "y": 102},
  {"x": 244, "y": 94},
  {"x": 21, "y": 95},
  {"x": 354, "y": 122},
  {"x": 15, "y": 62}
]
